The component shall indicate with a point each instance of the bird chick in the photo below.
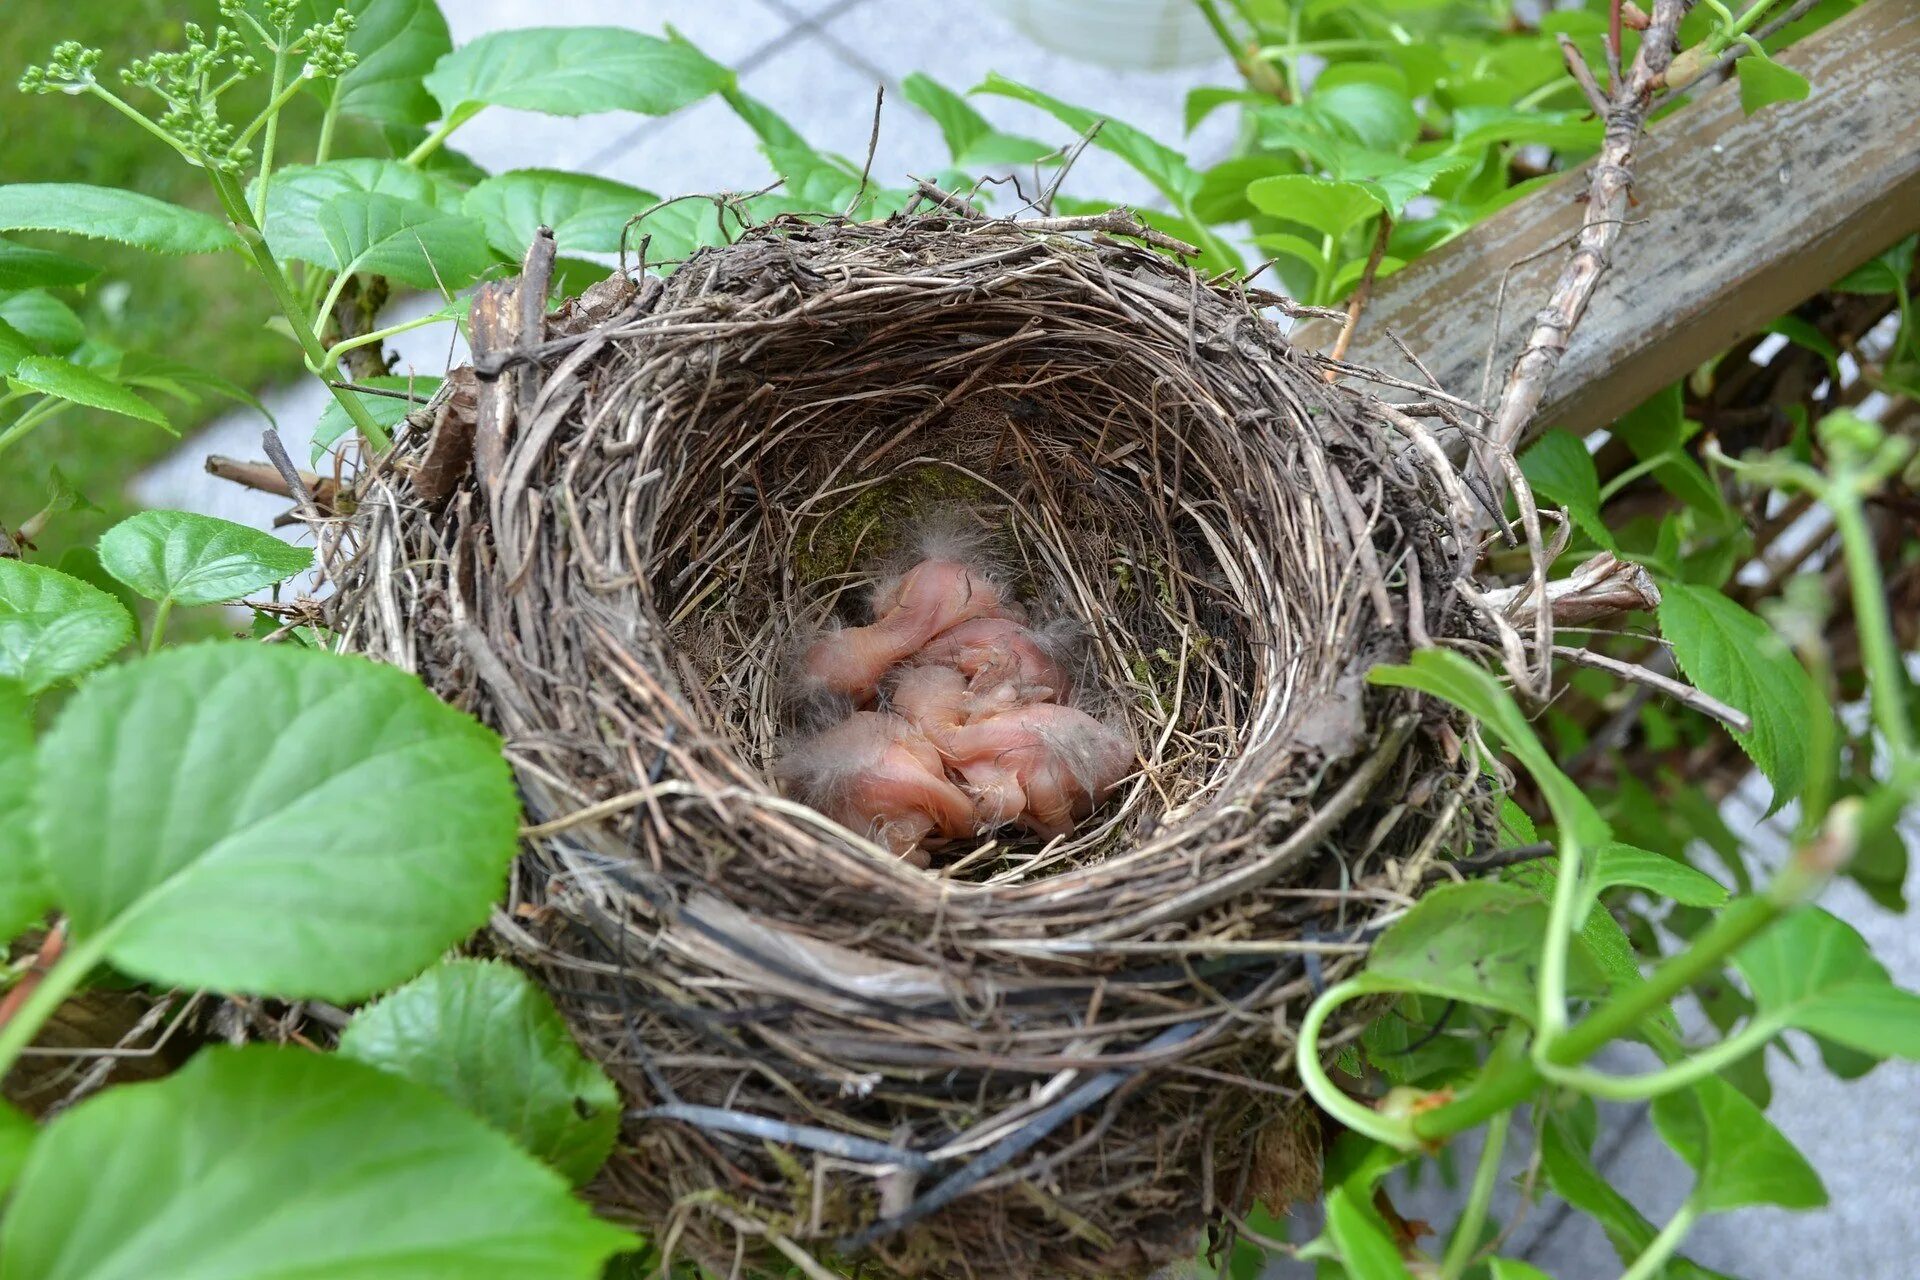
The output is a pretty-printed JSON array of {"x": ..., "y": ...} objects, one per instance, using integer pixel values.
[
  {"x": 934, "y": 698},
  {"x": 929, "y": 598},
  {"x": 1044, "y": 766},
  {"x": 878, "y": 775},
  {"x": 994, "y": 652}
]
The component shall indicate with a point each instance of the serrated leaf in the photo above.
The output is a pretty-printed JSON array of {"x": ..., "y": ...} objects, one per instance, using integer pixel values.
[
  {"x": 1325, "y": 204},
  {"x": 109, "y": 213},
  {"x": 81, "y": 385},
  {"x": 24, "y": 268},
  {"x": 1479, "y": 943},
  {"x": 43, "y": 320},
  {"x": 395, "y": 44},
  {"x": 586, "y": 213},
  {"x": 143, "y": 370},
  {"x": 1764, "y": 82},
  {"x": 1742, "y": 1159},
  {"x": 194, "y": 559},
  {"x": 272, "y": 820},
  {"x": 387, "y": 411},
  {"x": 481, "y": 1033},
  {"x": 405, "y": 240},
  {"x": 281, "y": 1164},
  {"x": 1207, "y": 99},
  {"x": 1158, "y": 163},
  {"x": 573, "y": 71},
  {"x": 1730, "y": 654},
  {"x": 1396, "y": 186},
  {"x": 1815, "y": 972},
  {"x": 14, "y": 348},
  {"x": 23, "y": 890},
  {"x": 297, "y": 193},
  {"x": 1623, "y": 864},
  {"x": 1475, "y": 127},
  {"x": 1472, "y": 688},
  {"x": 1561, "y": 471},
  {"x": 54, "y": 627}
]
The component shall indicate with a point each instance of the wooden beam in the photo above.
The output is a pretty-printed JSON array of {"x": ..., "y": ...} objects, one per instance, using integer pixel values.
[{"x": 1738, "y": 220}]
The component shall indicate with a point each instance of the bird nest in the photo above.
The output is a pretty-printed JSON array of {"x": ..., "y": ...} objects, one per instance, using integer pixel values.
[{"x": 1033, "y": 1058}]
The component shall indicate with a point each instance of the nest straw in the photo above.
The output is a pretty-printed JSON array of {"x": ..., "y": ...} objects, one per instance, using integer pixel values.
[{"x": 1032, "y": 1060}]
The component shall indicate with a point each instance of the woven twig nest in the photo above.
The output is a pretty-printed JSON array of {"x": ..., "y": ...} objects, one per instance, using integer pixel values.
[{"x": 1030, "y": 1060}]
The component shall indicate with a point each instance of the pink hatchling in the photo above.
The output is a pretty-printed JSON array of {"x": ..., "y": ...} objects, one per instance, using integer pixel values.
[
  {"x": 1043, "y": 765},
  {"x": 877, "y": 774}
]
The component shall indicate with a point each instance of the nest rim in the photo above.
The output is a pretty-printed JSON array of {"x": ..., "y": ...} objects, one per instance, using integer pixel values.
[{"x": 599, "y": 893}]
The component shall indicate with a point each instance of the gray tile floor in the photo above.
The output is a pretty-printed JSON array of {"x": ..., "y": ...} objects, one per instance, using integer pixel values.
[{"x": 817, "y": 62}]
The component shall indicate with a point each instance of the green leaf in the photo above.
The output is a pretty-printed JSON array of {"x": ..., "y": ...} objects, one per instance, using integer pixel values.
[
  {"x": 280, "y": 1164},
  {"x": 1511, "y": 1269},
  {"x": 1158, "y": 163},
  {"x": 1374, "y": 114},
  {"x": 81, "y": 385},
  {"x": 43, "y": 320},
  {"x": 1814, "y": 972},
  {"x": 1732, "y": 655},
  {"x": 971, "y": 139},
  {"x": 23, "y": 890},
  {"x": 54, "y": 627},
  {"x": 297, "y": 193},
  {"x": 1657, "y": 429},
  {"x": 1476, "y": 127},
  {"x": 109, "y": 213},
  {"x": 1764, "y": 82},
  {"x": 481, "y": 1033},
  {"x": 1362, "y": 1238},
  {"x": 405, "y": 240},
  {"x": 24, "y": 268},
  {"x": 1884, "y": 273},
  {"x": 272, "y": 820},
  {"x": 573, "y": 71},
  {"x": 1479, "y": 943},
  {"x": 194, "y": 559},
  {"x": 185, "y": 381},
  {"x": 1473, "y": 689},
  {"x": 1622, "y": 864},
  {"x": 1561, "y": 471},
  {"x": 1571, "y": 1175},
  {"x": 387, "y": 411},
  {"x": 14, "y": 347},
  {"x": 16, "y": 1142},
  {"x": 1803, "y": 333},
  {"x": 1324, "y": 204},
  {"x": 586, "y": 213},
  {"x": 1742, "y": 1160},
  {"x": 1396, "y": 186},
  {"x": 395, "y": 43}
]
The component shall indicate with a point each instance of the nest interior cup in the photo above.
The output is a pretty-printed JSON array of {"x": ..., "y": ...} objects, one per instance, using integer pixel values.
[{"x": 1032, "y": 1059}]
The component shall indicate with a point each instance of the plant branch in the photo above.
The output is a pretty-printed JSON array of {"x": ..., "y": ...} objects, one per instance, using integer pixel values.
[
  {"x": 1473, "y": 1216},
  {"x": 1361, "y": 293},
  {"x": 1607, "y": 198}
]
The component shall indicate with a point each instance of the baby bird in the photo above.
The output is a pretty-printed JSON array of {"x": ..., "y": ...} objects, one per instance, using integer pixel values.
[
  {"x": 1044, "y": 765},
  {"x": 934, "y": 698},
  {"x": 875, "y": 773},
  {"x": 997, "y": 651},
  {"x": 931, "y": 597}
]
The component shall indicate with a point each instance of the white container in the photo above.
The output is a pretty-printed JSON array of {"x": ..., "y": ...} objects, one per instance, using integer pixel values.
[{"x": 1134, "y": 35}]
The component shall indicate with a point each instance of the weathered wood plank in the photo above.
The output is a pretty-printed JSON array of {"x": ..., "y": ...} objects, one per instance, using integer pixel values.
[{"x": 1743, "y": 219}]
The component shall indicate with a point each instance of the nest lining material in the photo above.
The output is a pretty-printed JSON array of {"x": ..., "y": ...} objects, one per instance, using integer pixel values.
[{"x": 1035, "y": 1060}]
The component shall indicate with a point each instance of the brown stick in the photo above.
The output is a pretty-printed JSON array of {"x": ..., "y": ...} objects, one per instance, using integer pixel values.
[
  {"x": 1607, "y": 195},
  {"x": 1361, "y": 292}
]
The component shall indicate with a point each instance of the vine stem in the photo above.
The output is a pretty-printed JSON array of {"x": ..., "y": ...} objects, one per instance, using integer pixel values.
[
  {"x": 1466, "y": 1232},
  {"x": 1664, "y": 1245},
  {"x": 1885, "y": 677},
  {"x": 432, "y": 142},
  {"x": 32, "y": 417},
  {"x": 1355, "y": 1115}
]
